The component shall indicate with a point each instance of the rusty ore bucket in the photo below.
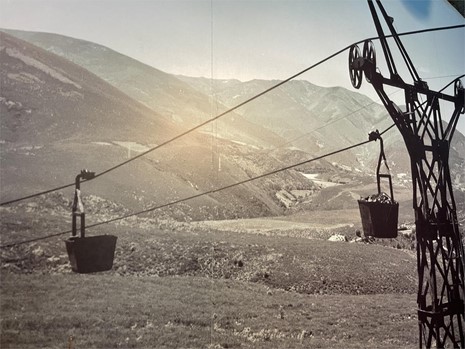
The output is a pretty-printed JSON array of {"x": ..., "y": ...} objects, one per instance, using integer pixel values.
[
  {"x": 379, "y": 219},
  {"x": 91, "y": 254}
]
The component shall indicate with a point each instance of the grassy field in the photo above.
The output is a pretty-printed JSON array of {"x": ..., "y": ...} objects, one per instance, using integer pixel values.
[
  {"x": 182, "y": 285},
  {"x": 110, "y": 311}
]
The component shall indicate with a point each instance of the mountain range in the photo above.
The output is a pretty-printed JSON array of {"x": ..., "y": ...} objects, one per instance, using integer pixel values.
[{"x": 68, "y": 103}]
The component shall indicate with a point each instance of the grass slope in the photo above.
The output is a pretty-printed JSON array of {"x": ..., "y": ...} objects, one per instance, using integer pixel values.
[
  {"x": 151, "y": 247},
  {"x": 184, "y": 285},
  {"x": 109, "y": 311}
]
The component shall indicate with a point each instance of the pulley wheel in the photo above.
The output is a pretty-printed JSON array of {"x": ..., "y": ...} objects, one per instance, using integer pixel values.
[
  {"x": 370, "y": 56},
  {"x": 355, "y": 71}
]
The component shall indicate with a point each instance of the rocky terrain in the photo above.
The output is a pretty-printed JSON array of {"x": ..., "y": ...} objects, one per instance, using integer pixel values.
[{"x": 298, "y": 257}]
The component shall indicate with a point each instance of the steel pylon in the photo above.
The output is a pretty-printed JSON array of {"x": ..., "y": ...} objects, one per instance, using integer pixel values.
[{"x": 440, "y": 252}]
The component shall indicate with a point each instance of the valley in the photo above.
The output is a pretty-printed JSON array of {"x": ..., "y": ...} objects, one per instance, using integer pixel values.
[{"x": 278, "y": 261}]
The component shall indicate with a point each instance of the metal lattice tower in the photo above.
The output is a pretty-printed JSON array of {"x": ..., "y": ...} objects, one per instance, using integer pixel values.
[{"x": 440, "y": 252}]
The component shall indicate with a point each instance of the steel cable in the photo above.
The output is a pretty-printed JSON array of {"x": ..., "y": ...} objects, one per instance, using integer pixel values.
[
  {"x": 154, "y": 208},
  {"x": 226, "y": 112}
]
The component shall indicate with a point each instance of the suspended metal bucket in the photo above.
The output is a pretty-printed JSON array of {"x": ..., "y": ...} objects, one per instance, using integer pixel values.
[
  {"x": 91, "y": 254},
  {"x": 88, "y": 254},
  {"x": 379, "y": 212},
  {"x": 379, "y": 219}
]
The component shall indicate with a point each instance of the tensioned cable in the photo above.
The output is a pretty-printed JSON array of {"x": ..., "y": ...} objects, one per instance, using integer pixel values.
[
  {"x": 230, "y": 110},
  {"x": 450, "y": 83},
  {"x": 332, "y": 122},
  {"x": 439, "y": 77},
  {"x": 211, "y": 191},
  {"x": 214, "y": 190},
  {"x": 366, "y": 106},
  {"x": 154, "y": 208}
]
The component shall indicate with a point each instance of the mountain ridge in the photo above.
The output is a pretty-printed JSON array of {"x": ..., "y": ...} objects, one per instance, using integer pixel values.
[
  {"x": 237, "y": 147},
  {"x": 58, "y": 118},
  {"x": 160, "y": 91}
]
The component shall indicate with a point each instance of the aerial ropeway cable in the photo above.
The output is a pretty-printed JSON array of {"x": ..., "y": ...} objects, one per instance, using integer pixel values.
[
  {"x": 227, "y": 112},
  {"x": 154, "y": 208},
  {"x": 362, "y": 108}
]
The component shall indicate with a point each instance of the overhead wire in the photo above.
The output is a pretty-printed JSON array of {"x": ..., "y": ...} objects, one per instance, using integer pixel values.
[
  {"x": 331, "y": 122},
  {"x": 440, "y": 77},
  {"x": 175, "y": 202},
  {"x": 154, "y": 208},
  {"x": 450, "y": 83},
  {"x": 226, "y": 112},
  {"x": 362, "y": 108}
]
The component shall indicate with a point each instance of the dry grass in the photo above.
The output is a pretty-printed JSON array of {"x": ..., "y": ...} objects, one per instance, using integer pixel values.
[
  {"x": 109, "y": 311},
  {"x": 182, "y": 286},
  {"x": 290, "y": 263}
]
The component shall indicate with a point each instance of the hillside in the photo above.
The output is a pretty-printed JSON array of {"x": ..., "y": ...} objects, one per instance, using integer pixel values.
[
  {"x": 277, "y": 262},
  {"x": 58, "y": 118},
  {"x": 319, "y": 119},
  {"x": 162, "y": 92},
  {"x": 43, "y": 92},
  {"x": 185, "y": 285},
  {"x": 300, "y": 120},
  {"x": 312, "y": 118}
]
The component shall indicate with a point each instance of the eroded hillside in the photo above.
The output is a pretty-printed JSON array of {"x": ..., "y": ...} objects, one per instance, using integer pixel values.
[{"x": 58, "y": 118}]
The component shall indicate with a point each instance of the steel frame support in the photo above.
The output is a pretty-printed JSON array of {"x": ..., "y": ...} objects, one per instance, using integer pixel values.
[
  {"x": 440, "y": 251},
  {"x": 440, "y": 255}
]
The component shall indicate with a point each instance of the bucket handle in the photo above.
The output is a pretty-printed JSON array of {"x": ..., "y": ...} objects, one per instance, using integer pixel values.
[{"x": 382, "y": 157}]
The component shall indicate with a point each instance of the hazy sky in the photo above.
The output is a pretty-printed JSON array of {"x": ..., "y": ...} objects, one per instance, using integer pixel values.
[{"x": 264, "y": 39}]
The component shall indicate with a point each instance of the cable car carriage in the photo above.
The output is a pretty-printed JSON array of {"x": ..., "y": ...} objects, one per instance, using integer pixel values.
[
  {"x": 88, "y": 254},
  {"x": 380, "y": 212}
]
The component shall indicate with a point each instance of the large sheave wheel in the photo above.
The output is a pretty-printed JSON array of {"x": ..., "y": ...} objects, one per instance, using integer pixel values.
[
  {"x": 369, "y": 55},
  {"x": 355, "y": 71}
]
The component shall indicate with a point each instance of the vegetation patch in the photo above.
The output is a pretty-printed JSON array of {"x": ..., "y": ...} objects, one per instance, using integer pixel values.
[{"x": 109, "y": 311}]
